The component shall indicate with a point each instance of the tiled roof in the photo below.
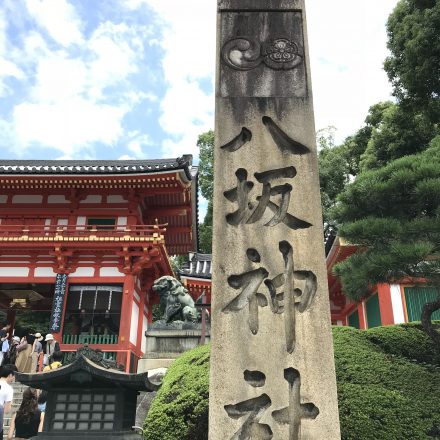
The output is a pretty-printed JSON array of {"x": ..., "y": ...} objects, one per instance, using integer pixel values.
[
  {"x": 93, "y": 167},
  {"x": 199, "y": 266}
]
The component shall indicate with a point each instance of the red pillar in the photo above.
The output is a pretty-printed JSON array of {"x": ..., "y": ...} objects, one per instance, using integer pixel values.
[
  {"x": 126, "y": 309},
  {"x": 385, "y": 304},
  {"x": 140, "y": 335},
  {"x": 362, "y": 323}
]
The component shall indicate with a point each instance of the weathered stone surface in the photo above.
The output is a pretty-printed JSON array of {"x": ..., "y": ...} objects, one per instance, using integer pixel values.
[{"x": 272, "y": 367}]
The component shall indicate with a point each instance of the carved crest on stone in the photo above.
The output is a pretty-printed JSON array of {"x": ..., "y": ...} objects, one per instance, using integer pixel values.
[{"x": 246, "y": 53}]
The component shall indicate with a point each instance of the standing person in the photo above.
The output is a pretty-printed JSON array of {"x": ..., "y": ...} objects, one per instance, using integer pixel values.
[
  {"x": 28, "y": 421},
  {"x": 5, "y": 348},
  {"x": 4, "y": 332},
  {"x": 11, "y": 355},
  {"x": 4, "y": 336},
  {"x": 51, "y": 347},
  {"x": 36, "y": 352},
  {"x": 7, "y": 376},
  {"x": 24, "y": 354}
]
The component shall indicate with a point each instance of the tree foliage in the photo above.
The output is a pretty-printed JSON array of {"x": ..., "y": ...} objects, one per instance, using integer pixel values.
[
  {"x": 393, "y": 214},
  {"x": 205, "y": 231},
  {"x": 206, "y": 182},
  {"x": 400, "y": 131},
  {"x": 413, "y": 66},
  {"x": 205, "y": 143},
  {"x": 333, "y": 169}
]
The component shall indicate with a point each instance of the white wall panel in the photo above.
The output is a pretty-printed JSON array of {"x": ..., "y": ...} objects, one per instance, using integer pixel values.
[
  {"x": 83, "y": 272},
  {"x": 109, "y": 272},
  {"x": 14, "y": 271},
  {"x": 396, "y": 301},
  {"x": 57, "y": 198},
  {"x": 92, "y": 198},
  {"x": 44, "y": 272},
  {"x": 144, "y": 339},
  {"x": 28, "y": 198},
  {"x": 116, "y": 199},
  {"x": 134, "y": 323}
]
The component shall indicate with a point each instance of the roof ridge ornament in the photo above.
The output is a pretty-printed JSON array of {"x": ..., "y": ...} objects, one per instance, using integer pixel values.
[{"x": 96, "y": 356}]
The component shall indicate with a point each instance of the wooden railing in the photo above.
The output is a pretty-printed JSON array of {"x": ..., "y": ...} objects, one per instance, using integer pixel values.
[
  {"x": 90, "y": 339},
  {"x": 81, "y": 233}
]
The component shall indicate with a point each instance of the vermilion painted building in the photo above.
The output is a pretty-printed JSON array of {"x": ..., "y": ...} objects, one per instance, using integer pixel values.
[
  {"x": 387, "y": 304},
  {"x": 196, "y": 275},
  {"x": 82, "y": 242}
]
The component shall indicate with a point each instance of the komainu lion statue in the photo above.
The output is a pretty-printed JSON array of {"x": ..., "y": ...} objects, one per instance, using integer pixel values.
[{"x": 175, "y": 300}]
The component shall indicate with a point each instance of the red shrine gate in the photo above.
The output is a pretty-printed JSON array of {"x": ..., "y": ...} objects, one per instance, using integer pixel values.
[{"x": 81, "y": 243}]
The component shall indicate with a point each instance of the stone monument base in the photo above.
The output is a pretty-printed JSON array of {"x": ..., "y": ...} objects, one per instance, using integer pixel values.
[{"x": 165, "y": 345}]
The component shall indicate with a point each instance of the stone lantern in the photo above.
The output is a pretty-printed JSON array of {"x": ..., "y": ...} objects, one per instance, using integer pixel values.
[{"x": 89, "y": 400}]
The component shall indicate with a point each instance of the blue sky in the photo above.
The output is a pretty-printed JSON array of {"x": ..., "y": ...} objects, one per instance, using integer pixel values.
[{"x": 111, "y": 79}]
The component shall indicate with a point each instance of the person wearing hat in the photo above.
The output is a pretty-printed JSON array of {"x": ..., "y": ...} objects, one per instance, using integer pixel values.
[
  {"x": 51, "y": 347},
  {"x": 36, "y": 353}
]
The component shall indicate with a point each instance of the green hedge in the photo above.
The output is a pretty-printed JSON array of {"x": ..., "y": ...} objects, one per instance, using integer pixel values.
[
  {"x": 180, "y": 409},
  {"x": 384, "y": 391},
  {"x": 388, "y": 388}
]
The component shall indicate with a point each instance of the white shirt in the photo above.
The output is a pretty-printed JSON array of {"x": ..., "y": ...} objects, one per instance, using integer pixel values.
[{"x": 6, "y": 392}]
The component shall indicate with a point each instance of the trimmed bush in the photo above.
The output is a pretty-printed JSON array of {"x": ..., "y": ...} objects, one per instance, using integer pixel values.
[
  {"x": 388, "y": 388},
  {"x": 180, "y": 409},
  {"x": 383, "y": 393}
]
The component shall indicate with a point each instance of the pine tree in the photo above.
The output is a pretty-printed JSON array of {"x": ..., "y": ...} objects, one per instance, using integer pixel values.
[{"x": 393, "y": 215}]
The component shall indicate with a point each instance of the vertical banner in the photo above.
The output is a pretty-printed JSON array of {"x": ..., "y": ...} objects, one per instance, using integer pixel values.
[
  {"x": 272, "y": 365},
  {"x": 58, "y": 303}
]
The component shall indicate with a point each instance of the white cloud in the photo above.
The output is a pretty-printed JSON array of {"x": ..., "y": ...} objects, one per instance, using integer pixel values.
[
  {"x": 69, "y": 126},
  {"x": 58, "y": 18},
  {"x": 59, "y": 78},
  {"x": 126, "y": 157},
  {"x": 3, "y": 26},
  {"x": 82, "y": 90},
  {"x": 137, "y": 143},
  {"x": 347, "y": 49},
  {"x": 8, "y": 69},
  {"x": 188, "y": 43},
  {"x": 79, "y": 97},
  {"x": 115, "y": 50}
]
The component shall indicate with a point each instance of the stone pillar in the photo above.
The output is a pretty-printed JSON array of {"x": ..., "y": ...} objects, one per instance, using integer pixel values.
[{"x": 272, "y": 366}]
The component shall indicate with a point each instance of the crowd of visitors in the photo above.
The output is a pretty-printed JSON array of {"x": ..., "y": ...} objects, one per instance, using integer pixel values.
[
  {"x": 28, "y": 351},
  {"x": 29, "y": 418}
]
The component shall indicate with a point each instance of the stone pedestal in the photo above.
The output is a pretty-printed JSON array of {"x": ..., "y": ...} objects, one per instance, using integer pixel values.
[
  {"x": 164, "y": 346},
  {"x": 272, "y": 366}
]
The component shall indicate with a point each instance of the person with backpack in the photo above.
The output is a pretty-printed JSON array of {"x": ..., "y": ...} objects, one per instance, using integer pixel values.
[{"x": 11, "y": 356}]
